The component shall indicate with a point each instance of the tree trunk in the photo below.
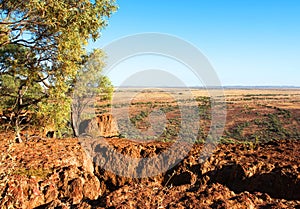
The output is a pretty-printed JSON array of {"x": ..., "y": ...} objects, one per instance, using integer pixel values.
[
  {"x": 18, "y": 131},
  {"x": 74, "y": 124}
]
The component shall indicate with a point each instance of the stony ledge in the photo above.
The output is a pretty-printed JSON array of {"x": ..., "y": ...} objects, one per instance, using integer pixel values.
[{"x": 57, "y": 173}]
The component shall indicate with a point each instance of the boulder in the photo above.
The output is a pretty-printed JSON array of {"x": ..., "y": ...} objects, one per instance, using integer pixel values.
[{"x": 103, "y": 125}]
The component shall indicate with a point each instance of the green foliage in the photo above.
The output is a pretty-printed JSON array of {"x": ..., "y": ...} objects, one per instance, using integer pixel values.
[
  {"x": 20, "y": 91},
  {"x": 16, "y": 77},
  {"x": 139, "y": 117},
  {"x": 225, "y": 140},
  {"x": 42, "y": 47}
]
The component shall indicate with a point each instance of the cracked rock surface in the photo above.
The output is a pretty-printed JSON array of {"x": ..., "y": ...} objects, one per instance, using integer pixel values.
[{"x": 57, "y": 173}]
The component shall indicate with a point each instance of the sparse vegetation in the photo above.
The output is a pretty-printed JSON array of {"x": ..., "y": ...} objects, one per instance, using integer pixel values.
[{"x": 251, "y": 121}]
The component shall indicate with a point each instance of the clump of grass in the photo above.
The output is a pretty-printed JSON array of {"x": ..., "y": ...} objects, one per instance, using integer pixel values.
[
  {"x": 29, "y": 172},
  {"x": 225, "y": 140}
]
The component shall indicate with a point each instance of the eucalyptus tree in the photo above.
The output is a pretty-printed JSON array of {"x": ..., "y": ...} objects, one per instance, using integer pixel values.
[{"x": 42, "y": 47}]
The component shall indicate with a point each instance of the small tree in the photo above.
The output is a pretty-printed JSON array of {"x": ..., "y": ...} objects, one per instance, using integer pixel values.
[
  {"x": 20, "y": 89},
  {"x": 89, "y": 87}
]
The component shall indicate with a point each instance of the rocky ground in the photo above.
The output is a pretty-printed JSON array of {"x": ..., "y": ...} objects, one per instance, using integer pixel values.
[{"x": 56, "y": 173}]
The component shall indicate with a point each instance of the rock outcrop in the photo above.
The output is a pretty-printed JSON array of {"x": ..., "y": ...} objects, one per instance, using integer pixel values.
[
  {"x": 52, "y": 173},
  {"x": 45, "y": 174},
  {"x": 103, "y": 125}
]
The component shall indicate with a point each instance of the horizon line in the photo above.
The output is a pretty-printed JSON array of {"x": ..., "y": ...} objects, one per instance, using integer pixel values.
[{"x": 225, "y": 86}]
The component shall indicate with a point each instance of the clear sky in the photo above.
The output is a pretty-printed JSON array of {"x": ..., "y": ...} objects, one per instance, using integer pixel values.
[{"x": 248, "y": 42}]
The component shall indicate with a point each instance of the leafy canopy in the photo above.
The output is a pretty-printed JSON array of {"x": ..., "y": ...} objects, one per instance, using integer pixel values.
[{"x": 42, "y": 46}]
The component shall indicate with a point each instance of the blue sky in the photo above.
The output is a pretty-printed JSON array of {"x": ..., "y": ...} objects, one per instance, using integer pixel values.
[{"x": 248, "y": 42}]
